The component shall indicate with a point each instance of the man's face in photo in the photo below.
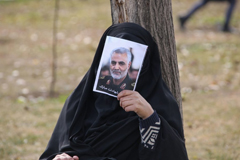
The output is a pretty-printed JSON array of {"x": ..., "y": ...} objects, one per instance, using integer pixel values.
[{"x": 119, "y": 65}]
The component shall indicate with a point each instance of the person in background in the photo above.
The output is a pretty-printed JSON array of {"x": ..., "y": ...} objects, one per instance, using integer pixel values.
[
  {"x": 226, "y": 25},
  {"x": 104, "y": 71},
  {"x": 133, "y": 73}
]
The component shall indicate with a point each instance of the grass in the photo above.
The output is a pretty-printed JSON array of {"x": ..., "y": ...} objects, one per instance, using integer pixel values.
[{"x": 209, "y": 64}]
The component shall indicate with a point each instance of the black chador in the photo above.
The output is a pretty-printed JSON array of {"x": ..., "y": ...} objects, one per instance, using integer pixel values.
[{"x": 93, "y": 126}]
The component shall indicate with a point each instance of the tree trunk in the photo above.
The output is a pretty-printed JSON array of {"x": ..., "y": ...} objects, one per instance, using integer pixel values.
[
  {"x": 54, "y": 51},
  {"x": 156, "y": 17}
]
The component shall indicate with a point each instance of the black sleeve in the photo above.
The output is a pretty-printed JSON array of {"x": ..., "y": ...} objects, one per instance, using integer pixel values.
[{"x": 149, "y": 130}]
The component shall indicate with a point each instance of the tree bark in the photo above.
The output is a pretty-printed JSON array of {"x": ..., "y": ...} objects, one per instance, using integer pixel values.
[{"x": 156, "y": 17}]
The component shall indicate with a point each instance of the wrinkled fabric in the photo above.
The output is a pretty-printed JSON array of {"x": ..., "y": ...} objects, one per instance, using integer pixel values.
[{"x": 94, "y": 127}]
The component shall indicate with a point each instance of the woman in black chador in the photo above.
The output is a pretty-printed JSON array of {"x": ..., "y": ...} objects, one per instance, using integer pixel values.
[{"x": 137, "y": 125}]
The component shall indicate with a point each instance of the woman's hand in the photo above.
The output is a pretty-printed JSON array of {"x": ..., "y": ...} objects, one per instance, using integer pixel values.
[
  {"x": 133, "y": 101},
  {"x": 65, "y": 156}
]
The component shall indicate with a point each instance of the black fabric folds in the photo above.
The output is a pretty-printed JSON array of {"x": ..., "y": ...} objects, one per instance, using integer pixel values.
[{"x": 94, "y": 127}]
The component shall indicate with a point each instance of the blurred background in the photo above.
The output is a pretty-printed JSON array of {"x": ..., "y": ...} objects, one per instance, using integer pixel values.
[{"x": 209, "y": 65}]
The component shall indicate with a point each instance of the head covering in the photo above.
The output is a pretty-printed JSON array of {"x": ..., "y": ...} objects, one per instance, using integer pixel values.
[{"x": 94, "y": 127}]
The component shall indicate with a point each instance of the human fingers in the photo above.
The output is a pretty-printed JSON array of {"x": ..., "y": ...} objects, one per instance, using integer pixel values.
[
  {"x": 66, "y": 157},
  {"x": 134, "y": 105},
  {"x": 126, "y": 103},
  {"x": 126, "y": 98},
  {"x": 125, "y": 93},
  {"x": 58, "y": 157},
  {"x": 134, "y": 98},
  {"x": 63, "y": 156},
  {"x": 135, "y": 102},
  {"x": 141, "y": 112},
  {"x": 75, "y": 158},
  {"x": 130, "y": 108}
]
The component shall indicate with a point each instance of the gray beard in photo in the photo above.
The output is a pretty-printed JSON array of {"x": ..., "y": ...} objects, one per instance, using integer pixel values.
[{"x": 123, "y": 74}]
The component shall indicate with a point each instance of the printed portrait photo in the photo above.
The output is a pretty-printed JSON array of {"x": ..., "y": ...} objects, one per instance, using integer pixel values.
[{"x": 119, "y": 66}]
